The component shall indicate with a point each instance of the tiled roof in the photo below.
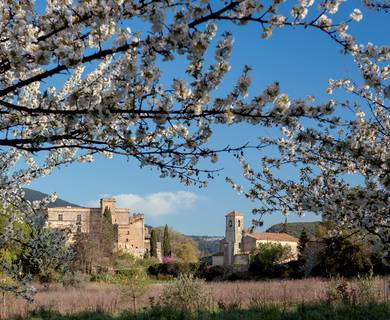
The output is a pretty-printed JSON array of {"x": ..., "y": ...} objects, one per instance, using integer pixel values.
[
  {"x": 272, "y": 236},
  {"x": 234, "y": 213}
]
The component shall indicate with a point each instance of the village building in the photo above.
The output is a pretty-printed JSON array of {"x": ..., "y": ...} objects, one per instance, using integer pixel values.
[
  {"x": 130, "y": 232},
  {"x": 239, "y": 242}
]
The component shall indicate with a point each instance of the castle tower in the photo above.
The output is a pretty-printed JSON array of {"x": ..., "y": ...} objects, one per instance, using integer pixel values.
[
  {"x": 233, "y": 236},
  {"x": 108, "y": 204}
]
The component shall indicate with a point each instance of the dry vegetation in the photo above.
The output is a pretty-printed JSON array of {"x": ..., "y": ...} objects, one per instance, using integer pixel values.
[{"x": 109, "y": 298}]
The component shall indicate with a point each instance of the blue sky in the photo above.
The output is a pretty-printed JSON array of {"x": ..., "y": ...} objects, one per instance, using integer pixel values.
[{"x": 301, "y": 60}]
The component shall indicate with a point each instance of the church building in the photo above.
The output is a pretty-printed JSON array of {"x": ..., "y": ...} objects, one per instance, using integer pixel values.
[{"x": 238, "y": 242}]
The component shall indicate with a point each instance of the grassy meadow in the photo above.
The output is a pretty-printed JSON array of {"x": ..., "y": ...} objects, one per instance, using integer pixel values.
[{"x": 278, "y": 299}]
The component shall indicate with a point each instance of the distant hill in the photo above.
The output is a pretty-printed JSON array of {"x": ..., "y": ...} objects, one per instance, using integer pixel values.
[
  {"x": 207, "y": 245},
  {"x": 295, "y": 228},
  {"x": 33, "y": 195}
]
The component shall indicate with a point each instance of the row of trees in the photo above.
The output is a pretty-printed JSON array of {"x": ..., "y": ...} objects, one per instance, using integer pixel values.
[{"x": 319, "y": 255}]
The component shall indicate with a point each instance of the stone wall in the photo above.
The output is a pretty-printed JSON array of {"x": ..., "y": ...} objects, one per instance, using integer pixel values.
[
  {"x": 247, "y": 244},
  {"x": 74, "y": 219},
  {"x": 130, "y": 230},
  {"x": 131, "y": 237}
]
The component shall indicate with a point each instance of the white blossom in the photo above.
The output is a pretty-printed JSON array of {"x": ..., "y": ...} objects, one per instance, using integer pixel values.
[{"x": 356, "y": 15}]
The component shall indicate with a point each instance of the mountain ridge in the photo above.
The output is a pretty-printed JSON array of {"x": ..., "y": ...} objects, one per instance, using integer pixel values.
[
  {"x": 34, "y": 195},
  {"x": 295, "y": 228}
]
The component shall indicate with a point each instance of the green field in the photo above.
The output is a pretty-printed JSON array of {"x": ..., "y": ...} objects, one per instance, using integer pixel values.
[{"x": 299, "y": 312}]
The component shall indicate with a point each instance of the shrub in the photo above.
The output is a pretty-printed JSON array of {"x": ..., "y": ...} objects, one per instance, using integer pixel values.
[
  {"x": 361, "y": 291},
  {"x": 75, "y": 279},
  {"x": 267, "y": 258},
  {"x": 157, "y": 269},
  {"x": 172, "y": 269},
  {"x": 238, "y": 276},
  {"x": 168, "y": 259},
  {"x": 133, "y": 284},
  {"x": 214, "y": 273},
  {"x": 105, "y": 277},
  {"x": 187, "y": 293}
]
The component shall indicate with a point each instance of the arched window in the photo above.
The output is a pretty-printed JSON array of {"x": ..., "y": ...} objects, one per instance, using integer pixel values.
[
  {"x": 239, "y": 223},
  {"x": 230, "y": 223}
]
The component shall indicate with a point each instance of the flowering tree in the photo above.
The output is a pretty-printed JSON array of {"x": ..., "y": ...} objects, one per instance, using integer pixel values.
[
  {"x": 327, "y": 153},
  {"x": 114, "y": 100}
]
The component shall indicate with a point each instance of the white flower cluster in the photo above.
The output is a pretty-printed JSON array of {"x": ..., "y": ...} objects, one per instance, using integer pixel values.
[
  {"x": 115, "y": 100},
  {"x": 328, "y": 150}
]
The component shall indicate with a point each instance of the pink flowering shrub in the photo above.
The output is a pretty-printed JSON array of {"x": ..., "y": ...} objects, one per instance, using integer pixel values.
[{"x": 168, "y": 259}]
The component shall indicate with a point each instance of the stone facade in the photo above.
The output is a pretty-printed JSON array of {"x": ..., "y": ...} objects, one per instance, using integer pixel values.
[
  {"x": 131, "y": 234},
  {"x": 233, "y": 236},
  {"x": 250, "y": 241},
  {"x": 238, "y": 242}
]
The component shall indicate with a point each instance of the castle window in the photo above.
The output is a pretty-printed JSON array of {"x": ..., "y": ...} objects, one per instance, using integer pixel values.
[
  {"x": 239, "y": 222},
  {"x": 79, "y": 218},
  {"x": 78, "y": 229},
  {"x": 60, "y": 217},
  {"x": 128, "y": 232},
  {"x": 230, "y": 223},
  {"x": 127, "y": 240}
]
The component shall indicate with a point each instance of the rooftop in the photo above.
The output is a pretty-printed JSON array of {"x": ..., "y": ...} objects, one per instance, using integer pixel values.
[
  {"x": 234, "y": 213},
  {"x": 272, "y": 236}
]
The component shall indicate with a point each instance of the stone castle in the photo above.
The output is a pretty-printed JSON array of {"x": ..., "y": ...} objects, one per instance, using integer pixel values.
[
  {"x": 238, "y": 242},
  {"x": 131, "y": 234}
]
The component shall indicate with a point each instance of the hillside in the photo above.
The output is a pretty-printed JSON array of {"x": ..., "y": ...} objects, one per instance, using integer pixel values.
[
  {"x": 33, "y": 195},
  {"x": 207, "y": 245},
  {"x": 295, "y": 228},
  {"x": 182, "y": 246}
]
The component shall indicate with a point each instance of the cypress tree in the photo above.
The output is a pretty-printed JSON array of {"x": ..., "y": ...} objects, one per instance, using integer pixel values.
[
  {"x": 107, "y": 216},
  {"x": 303, "y": 240},
  {"x": 153, "y": 244},
  {"x": 108, "y": 234},
  {"x": 284, "y": 227},
  {"x": 167, "y": 252}
]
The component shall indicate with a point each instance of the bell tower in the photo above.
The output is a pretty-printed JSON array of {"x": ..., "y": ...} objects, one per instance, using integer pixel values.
[{"x": 233, "y": 236}]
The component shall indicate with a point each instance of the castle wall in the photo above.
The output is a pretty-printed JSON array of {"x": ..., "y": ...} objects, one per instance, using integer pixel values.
[
  {"x": 130, "y": 231},
  {"x": 131, "y": 237},
  {"x": 121, "y": 216},
  {"x": 95, "y": 220},
  {"x": 74, "y": 219}
]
